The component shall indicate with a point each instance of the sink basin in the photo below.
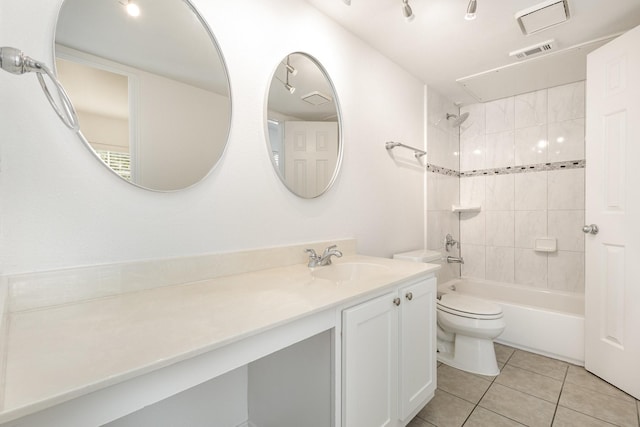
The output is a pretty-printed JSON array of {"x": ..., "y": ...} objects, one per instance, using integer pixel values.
[{"x": 347, "y": 271}]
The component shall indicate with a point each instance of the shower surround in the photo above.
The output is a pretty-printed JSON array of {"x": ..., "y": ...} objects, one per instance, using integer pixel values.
[{"x": 522, "y": 160}]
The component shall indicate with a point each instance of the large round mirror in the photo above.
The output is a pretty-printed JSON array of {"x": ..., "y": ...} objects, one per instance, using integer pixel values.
[
  {"x": 150, "y": 87},
  {"x": 303, "y": 123}
]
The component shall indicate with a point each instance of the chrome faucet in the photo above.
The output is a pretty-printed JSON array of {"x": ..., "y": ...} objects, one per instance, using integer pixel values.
[
  {"x": 450, "y": 242},
  {"x": 455, "y": 259},
  {"x": 324, "y": 259}
]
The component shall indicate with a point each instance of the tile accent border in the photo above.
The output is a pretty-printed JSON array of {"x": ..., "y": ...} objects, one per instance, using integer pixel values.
[
  {"x": 442, "y": 171},
  {"x": 571, "y": 164}
]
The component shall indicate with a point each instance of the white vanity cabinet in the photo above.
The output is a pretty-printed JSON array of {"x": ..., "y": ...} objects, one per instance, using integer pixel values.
[{"x": 389, "y": 356}]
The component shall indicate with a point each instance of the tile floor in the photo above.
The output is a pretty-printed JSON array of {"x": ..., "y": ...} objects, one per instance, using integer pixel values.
[{"x": 531, "y": 390}]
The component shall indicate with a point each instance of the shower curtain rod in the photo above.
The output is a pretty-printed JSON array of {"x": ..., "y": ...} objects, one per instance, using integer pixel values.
[{"x": 390, "y": 145}]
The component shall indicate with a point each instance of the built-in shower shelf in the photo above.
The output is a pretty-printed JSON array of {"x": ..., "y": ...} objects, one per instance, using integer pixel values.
[{"x": 465, "y": 208}]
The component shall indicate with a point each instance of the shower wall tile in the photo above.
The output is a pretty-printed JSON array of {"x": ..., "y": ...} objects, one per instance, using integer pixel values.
[
  {"x": 472, "y": 153},
  {"x": 472, "y": 191},
  {"x": 499, "y": 151},
  {"x": 529, "y": 225},
  {"x": 530, "y": 191},
  {"x": 566, "y": 140},
  {"x": 529, "y": 129},
  {"x": 500, "y": 264},
  {"x": 530, "y": 267},
  {"x": 500, "y": 228},
  {"x": 530, "y": 145},
  {"x": 439, "y": 224},
  {"x": 474, "y": 261},
  {"x": 531, "y": 109},
  {"x": 442, "y": 191},
  {"x": 499, "y": 192},
  {"x": 566, "y": 102},
  {"x": 565, "y": 189},
  {"x": 566, "y": 226},
  {"x": 472, "y": 228},
  {"x": 500, "y": 115},
  {"x": 566, "y": 271}
]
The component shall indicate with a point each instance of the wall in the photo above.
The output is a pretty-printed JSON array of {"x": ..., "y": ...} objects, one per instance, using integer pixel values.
[
  {"x": 443, "y": 181},
  {"x": 60, "y": 208},
  {"x": 522, "y": 160}
]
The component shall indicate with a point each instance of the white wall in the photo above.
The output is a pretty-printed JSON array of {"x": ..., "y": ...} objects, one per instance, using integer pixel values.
[{"x": 60, "y": 208}]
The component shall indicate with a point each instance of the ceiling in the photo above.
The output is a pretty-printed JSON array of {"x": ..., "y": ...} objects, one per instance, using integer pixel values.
[{"x": 439, "y": 46}]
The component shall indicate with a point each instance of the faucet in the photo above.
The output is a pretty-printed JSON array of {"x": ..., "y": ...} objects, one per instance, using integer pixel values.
[
  {"x": 455, "y": 259},
  {"x": 324, "y": 259},
  {"x": 450, "y": 242}
]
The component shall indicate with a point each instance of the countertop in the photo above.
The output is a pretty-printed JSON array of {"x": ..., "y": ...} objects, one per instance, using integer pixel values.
[{"x": 57, "y": 353}]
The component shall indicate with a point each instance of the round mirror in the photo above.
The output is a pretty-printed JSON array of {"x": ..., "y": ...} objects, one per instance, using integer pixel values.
[
  {"x": 150, "y": 87},
  {"x": 303, "y": 123}
]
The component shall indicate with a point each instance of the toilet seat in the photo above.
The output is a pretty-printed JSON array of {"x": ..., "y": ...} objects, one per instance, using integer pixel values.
[{"x": 466, "y": 306}]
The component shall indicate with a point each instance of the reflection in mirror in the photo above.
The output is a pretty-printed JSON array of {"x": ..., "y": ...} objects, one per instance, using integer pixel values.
[
  {"x": 303, "y": 121},
  {"x": 151, "y": 90}
]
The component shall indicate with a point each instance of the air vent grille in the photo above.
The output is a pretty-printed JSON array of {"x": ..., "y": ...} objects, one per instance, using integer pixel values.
[{"x": 533, "y": 50}]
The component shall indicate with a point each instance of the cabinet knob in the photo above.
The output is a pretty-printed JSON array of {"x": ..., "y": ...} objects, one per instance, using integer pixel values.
[
  {"x": 409, "y": 296},
  {"x": 396, "y": 301}
]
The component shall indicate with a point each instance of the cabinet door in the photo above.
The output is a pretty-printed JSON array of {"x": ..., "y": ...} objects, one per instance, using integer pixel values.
[
  {"x": 370, "y": 338},
  {"x": 417, "y": 346}
]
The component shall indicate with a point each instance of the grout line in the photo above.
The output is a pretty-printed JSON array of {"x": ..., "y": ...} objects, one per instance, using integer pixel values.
[{"x": 564, "y": 381}]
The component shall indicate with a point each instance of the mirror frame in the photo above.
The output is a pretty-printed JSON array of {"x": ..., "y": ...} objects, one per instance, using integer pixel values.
[
  {"x": 225, "y": 70},
  {"x": 336, "y": 101}
]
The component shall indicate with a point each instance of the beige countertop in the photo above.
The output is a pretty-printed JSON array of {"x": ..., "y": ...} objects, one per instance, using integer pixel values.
[{"x": 57, "y": 353}]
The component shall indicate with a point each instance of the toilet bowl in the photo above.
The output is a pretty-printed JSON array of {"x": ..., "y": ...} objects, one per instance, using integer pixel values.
[
  {"x": 466, "y": 326},
  {"x": 466, "y": 329}
]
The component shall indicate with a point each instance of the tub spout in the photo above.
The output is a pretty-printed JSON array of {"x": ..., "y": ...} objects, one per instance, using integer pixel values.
[{"x": 455, "y": 259}]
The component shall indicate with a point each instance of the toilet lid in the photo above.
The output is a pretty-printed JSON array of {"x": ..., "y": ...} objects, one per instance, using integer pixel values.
[{"x": 469, "y": 306}]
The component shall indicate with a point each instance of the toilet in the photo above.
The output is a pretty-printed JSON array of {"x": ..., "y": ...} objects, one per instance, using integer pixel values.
[{"x": 466, "y": 327}]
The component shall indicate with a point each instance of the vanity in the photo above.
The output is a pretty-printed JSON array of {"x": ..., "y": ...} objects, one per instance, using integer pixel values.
[{"x": 349, "y": 344}]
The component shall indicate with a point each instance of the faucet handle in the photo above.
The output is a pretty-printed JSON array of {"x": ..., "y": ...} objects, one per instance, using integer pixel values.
[
  {"x": 329, "y": 249},
  {"x": 312, "y": 253}
]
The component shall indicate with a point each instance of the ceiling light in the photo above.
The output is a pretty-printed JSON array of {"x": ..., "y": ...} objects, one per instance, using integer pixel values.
[
  {"x": 407, "y": 12},
  {"x": 471, "y": 10},
  {"x": 347, "y": 2}
]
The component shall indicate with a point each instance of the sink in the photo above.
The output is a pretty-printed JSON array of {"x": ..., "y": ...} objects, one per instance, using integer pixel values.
[{"x": 347, "y": 271}]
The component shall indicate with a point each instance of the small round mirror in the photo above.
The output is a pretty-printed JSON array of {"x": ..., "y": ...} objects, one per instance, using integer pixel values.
[
  {"x": 303, "y": 123},
  {"x": 150, "y": 87}
]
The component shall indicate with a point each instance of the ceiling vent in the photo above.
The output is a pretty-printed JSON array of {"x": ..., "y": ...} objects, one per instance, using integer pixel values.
[
  {"x": 543, "y": 16},
  {"x": 316, "y": 98},
  {"x": 536, "y": 49}
]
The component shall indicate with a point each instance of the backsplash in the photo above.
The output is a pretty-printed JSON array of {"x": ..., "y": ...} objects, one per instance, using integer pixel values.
[{"x": 540, "y": 133}]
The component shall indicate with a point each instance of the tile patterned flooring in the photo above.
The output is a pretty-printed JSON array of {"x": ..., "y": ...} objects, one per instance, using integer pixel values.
[{"x": 531, "y": 390}]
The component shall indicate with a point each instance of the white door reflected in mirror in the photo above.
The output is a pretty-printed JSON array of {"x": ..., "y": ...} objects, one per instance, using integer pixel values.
[{"x": 304, "y": 128}]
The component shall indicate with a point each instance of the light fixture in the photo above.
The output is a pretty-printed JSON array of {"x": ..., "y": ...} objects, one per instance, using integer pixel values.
[
  {"x": 471, "y": 10},
  {"x": 286, "y": 84},
  {"x": 347, "y": 2},
  {"x": 290, "y": 69},
  {"x": 132, "y": 8},
  {"x": 407, "y": 12}
]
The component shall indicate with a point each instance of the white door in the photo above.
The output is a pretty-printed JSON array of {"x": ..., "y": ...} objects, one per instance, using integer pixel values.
[
  {"x": 310, "y": 156},
  {"x": 370, "y": 338},
  {"x": 612, "y": 308},
  {"x": 417, "y": 346}
]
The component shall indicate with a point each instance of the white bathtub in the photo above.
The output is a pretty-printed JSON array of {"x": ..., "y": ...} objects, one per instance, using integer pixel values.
[{"x": 538, "y": 320}]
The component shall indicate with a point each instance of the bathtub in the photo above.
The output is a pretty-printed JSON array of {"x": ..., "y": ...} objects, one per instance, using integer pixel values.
[{"x": 546, "y": 322}]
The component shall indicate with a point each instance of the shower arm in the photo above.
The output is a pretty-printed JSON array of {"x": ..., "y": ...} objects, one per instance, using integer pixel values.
[
  {"x": 416, "y": 152},
  {"x": 15, "y": 61}
]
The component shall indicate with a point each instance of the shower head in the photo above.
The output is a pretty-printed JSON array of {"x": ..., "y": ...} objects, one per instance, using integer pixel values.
[{"x": 457, "y": 120}]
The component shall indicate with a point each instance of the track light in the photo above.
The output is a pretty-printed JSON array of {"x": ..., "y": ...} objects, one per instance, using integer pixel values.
[
  {"x": 131, "y": 8},
  {"x": 290, "y": 69},
  {"x": 407, "y": 12},
  {"x": 471, "y": 10}
]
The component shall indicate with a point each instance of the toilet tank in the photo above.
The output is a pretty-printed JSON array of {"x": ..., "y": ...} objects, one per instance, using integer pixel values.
[{"x": 432, "y": 257}]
